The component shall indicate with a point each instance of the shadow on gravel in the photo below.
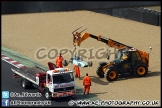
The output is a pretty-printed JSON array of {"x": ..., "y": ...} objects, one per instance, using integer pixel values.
[
  {"x": 100, "y": 93},
  {"x": 152, "y": 74},
  {"x": 125, "y": 77},
  {"x": 132, "y": 76},
  {"x": 79, "y": 96},
  {"x": 96, "y": 80}
]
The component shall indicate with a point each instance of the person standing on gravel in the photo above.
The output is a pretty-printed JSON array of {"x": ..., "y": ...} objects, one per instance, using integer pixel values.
[
  {"x": 86, "y": 84},
  {"x": 77, "y": 71},
  {"x": 59, "y": 60}
]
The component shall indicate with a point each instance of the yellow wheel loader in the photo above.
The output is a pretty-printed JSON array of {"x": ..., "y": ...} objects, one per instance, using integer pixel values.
[{"x": 128, "y": 60}]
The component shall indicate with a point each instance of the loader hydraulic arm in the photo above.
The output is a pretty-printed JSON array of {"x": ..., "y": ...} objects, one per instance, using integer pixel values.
[{"x": 78, "y": 38}]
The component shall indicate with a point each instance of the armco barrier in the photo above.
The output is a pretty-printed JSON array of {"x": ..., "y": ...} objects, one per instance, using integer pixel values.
[
  {"x": 104, "y": 11},
  {"x": 150, "y": 18},
  {"x": 122, "y": 13},
  {"x": 160, "y": 20},
  {"x": 11, "y": 7},
  {"x": 50, "y": 6},
  {"x": 135, "y": 15}
]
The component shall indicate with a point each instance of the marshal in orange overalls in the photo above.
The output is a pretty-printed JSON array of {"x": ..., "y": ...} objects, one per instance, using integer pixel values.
[
  {"x": 86, "y": 84},
  {"x": 77, "y": 71},
  {"x": 59, "y": 60}
]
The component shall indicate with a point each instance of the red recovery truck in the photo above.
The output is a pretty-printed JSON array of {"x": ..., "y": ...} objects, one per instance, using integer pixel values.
[{"x": 53, "y": 83}]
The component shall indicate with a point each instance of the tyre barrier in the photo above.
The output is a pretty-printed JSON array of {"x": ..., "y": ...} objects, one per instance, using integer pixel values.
[{"x": 150, "y": 17}]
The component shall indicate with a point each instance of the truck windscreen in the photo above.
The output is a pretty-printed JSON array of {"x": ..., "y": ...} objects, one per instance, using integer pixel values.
[{"x": 63, "y": 78}]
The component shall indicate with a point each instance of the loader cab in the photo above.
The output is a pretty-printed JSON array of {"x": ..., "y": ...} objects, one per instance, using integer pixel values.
[
  {"x": 118, "y": 55},
  {"x": 135, "y": 57},
  {"x": 127, "y": 58},
  {"x": 122, "y": 55},
  {"x": 123, "y": 59}
]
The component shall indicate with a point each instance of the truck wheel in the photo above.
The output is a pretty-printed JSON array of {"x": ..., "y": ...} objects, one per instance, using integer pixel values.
[
  {"x": 111, "y": 74},
  {"x": 23, "y": 83},
  {"x": 47, "y": 95},
  {"x": 140, "y": 70},
  {"x": 65, "y": 62},
  {"x": 90, "y": 63},
  {"x": 99, "y": 71}
]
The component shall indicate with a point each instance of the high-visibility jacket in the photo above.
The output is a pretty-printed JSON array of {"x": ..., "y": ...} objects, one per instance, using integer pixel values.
[
  {"x": 59, "y": 61},
  {"x": 77, "y": 70},
  {"x": 87, "y": 81}
]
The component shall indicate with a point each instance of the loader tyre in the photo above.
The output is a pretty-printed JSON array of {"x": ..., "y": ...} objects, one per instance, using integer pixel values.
[
  {"x": 140, "y": 70},
  {"x": 100, "y": 72},
  {"x": 47, "y": 94},
  {"x": 111, "y": 74}
]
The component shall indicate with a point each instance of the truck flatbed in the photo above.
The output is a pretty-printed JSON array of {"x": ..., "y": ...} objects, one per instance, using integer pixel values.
[{"x": 29, "y": 73}]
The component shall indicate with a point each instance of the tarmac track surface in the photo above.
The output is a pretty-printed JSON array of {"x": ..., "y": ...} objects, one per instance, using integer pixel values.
[{"x": 13, "y": 85}]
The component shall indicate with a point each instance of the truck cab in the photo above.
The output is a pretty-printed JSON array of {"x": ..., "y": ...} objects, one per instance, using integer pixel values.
[
  {"x": 59, "y": 83},
  {"x": 53, "y": 83}
]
